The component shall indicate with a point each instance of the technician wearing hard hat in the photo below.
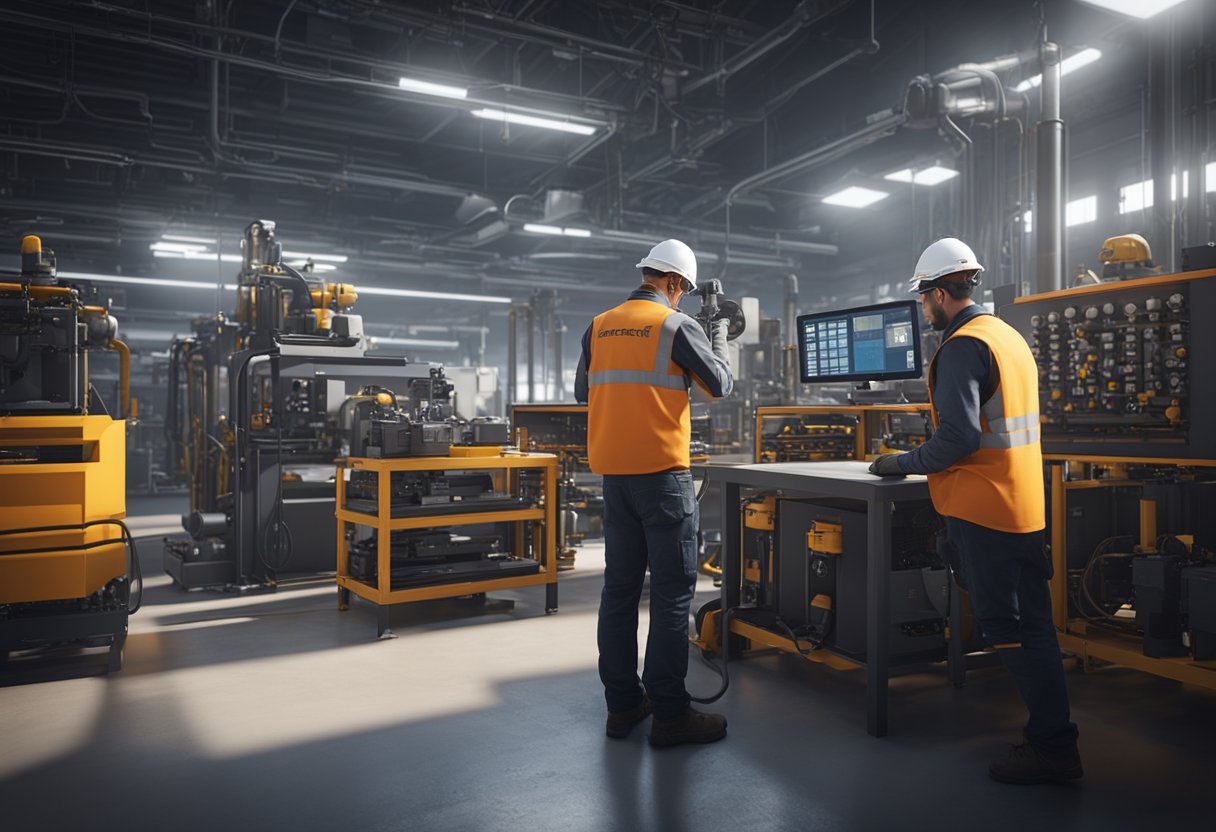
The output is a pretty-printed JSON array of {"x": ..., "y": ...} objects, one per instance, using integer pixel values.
[
  {"x": 639, "y": 361},
  {"x": 985, "y": 469}
]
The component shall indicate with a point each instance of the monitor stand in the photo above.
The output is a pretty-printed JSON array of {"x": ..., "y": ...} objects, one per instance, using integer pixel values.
[{"x": 865, "y": 394}]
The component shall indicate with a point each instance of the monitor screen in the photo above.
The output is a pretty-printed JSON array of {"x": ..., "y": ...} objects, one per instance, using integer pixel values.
[{"x": 870, "y": 343}]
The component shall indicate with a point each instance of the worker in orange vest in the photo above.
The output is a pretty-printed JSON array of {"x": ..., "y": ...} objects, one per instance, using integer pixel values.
[
  {"x": 985, "y": 469},
  {"x": 639, "y": 362}
]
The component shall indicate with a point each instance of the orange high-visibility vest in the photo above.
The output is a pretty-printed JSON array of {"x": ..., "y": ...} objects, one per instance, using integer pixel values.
[
  {"x": 1000, "y": 486},
  {"x": 637, "y": 400}
]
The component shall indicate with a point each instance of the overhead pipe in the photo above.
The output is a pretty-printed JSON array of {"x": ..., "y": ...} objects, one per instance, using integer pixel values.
[
  {"x": 1049, "y": 177},
  {"x": 804, "y": 15},
  {"x": 1163, "y": 143}
]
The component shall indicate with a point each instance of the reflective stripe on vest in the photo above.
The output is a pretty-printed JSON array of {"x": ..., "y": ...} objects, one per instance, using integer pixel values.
[
  {"x": 1007, "y": 431},
  {"x": 660, "y": 375}
]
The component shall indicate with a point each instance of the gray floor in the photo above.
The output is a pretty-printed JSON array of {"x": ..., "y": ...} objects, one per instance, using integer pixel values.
[{"x": 279, "y": 712}]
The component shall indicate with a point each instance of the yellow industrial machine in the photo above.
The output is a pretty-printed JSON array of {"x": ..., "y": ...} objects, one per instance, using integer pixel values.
[
  {"x": 813, "y": 433},
  {"x": 1126, "y": 256},
  {"x": 63, "y": 546}
]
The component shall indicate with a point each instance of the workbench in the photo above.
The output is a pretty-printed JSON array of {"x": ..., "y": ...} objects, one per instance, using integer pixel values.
[{"x": 848, "y": 480}]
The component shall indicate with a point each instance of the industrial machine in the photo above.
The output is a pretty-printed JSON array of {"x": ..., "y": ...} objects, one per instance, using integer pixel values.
[
  {"x": 64, "y": 573},
  {"x": 812, "y": 433},
  {"x": 561, "y": 430},
  {"x": 252, "y": 421},
  {"x": 1126, "y": 408}
]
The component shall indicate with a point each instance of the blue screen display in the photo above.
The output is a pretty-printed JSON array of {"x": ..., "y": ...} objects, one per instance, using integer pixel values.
[{"x": 868, "y": 343}]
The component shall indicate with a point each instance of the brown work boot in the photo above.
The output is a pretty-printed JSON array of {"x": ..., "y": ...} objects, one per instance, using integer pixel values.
[
  {"x": 1026, "y": 765},
  {"x": 689, "y": 727},
  {"x": 620, "y": 723}
]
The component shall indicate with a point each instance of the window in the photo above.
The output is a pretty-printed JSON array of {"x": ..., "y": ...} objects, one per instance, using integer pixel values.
[
  {"x": 1136, "y": 197},
  {"x": 1081, "y": 211},
  {"x": 1027, "y": 223}
]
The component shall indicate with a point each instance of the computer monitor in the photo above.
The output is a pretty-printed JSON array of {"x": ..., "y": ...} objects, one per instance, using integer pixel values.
[{"x": 869, "y": 343}]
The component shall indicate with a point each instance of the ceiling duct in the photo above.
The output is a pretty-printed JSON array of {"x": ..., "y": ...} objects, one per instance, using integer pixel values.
[{"x": 560, "y": 204}]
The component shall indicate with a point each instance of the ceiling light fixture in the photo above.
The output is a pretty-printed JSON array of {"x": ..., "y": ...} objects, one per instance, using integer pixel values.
[
  {"x": 428, "y": 88},
  {"x": 177, "y": 247},
  {"x": 855, "y": 197},
  {"x": 144, "y": 281},
  {"x": 577, "y": 232},
  {"x": 1070, "y": 64},
  {"x": 417, "y": 293},
  {"x": 415, "y": 342},
  {"x": 182, "y": 238},
  {"x": 231, "y": 287},
  {"x": 535, "y": 121},
  {"x": 536, "y": 228},
  {"x": 1143, "y": 9},
  {"x": 933, "y": 175},
  {"x": 198, "y": 255},
  {"x": 321, "y": 258}
]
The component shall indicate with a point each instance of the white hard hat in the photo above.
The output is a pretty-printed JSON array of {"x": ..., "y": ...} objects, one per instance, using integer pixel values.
[
  {"x": 946, "y": 256},
  {"x": 672, "y": 256}
]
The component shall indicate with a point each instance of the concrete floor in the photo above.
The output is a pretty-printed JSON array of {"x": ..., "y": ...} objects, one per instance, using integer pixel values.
[{"x": 279, "y": 712}]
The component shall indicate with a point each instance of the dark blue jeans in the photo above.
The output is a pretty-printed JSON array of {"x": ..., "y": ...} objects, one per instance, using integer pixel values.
[
  {"x": 1006, "y": 576},
  {"x": 650, "y": 520}
]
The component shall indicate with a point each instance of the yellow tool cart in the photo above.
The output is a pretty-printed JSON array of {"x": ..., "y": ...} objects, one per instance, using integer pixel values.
[
  {"x": 475, "y": 521},
  {"x": 813, "y": 433}
]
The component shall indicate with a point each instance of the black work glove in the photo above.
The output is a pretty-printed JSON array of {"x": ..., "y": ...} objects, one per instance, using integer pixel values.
[{"x": 886, "y": 465}]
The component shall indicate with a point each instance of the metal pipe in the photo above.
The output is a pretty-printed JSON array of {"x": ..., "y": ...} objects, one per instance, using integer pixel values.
[
  {"x": 512, "y": 354},
  {"x": 124, "y": 374},
  {"x": 789, "y": 332},
  {"x": 1049, "y": 177},
  {"x": 531, "y": 353},
  {"x": 802, "y": 17},
  {"x": 1163, "y": 140},
  {"x": 559, "y": 386}
]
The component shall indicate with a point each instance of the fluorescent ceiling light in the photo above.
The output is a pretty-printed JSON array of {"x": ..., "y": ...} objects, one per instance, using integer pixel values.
[
  {"x": 144, "y": 281},
  {"x": 182, "y": 238},
  {"x": 1070, "y": 64},
  {"x": 1209, "y": 177},
  {"x": 323, "y": 258},
  {"x": 855, "y": 197},
  {"x": 535, "y": 121},
  {"x": 231, "y": 287},
  {"x": 576, "y": 232},
  {"x": 415, "y": 342},
  {"x": 1142, "y": 9},
  {"x": 417, "y": 293},
  {"x": 316, "y": 267},
  {"x": 198, "y": 255},
  {"x": 1081, "y": 211},
  {"x": 178, "y": 247},
  {"x": 934, "y": 175},
  {"x": 536, "y": 228},
  {"x": 904, "y": 175},
  {"x": 427, "y": 88}
]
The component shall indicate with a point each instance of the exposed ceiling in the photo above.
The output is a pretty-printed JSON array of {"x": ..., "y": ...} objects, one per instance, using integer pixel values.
[{"x": 126, "y": 120}]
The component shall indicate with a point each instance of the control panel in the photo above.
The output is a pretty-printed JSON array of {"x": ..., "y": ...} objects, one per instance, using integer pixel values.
[{"x": 1121, "y": 366}]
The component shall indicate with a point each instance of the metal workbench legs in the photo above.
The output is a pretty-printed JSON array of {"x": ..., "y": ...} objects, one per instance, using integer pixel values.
[{"x": 878, "y": 570}]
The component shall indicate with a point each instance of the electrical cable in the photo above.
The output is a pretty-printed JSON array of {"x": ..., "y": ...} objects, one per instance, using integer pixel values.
[{"x": 722, "y": 670}]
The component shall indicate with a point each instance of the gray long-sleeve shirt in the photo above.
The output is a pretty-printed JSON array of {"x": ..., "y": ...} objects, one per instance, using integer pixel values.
[
  {"x": 690, "y": 350},
  {"x": 965, "y": 377}
]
